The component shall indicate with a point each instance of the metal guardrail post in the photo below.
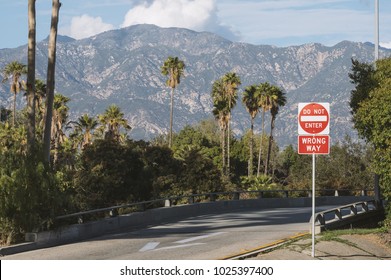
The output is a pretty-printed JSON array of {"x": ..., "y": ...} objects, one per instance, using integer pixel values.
[
  {"x": 236, "y": 196},
  {"x": 286, "y": 194},
  {"x": 167, "y": 203},
  {"x": 353, "y": 209},
  {"x": 212, "y": 197},
  {"x": 191, "y": 200},
  {"x": 113, "y": 213},
  {"x": 338, "y": 214},
  {"x": 365, "y": 206}
]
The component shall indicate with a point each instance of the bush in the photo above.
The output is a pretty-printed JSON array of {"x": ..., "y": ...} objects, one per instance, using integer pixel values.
[
  {"x": 109, "y": 174},
  {"x": 30, "y": 198}
]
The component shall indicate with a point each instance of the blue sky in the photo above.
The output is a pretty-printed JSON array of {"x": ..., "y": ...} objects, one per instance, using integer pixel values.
[{"x": 270, "y": 22}]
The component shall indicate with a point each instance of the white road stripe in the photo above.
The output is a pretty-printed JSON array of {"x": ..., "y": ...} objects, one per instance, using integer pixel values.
[
  {"x": 179, "y": 246},
  {"x": 149, "y": 246},
  {"x": 198, "y": 237}
]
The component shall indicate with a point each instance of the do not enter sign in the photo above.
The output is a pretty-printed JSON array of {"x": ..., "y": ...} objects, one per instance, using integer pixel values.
[{"x": 314, "y": 118}]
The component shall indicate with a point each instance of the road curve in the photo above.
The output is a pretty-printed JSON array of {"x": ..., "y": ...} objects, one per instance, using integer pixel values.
[{"x": 213, "y": 236}]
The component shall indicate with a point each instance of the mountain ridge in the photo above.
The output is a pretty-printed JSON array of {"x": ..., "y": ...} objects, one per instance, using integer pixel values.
[{"x": 123, "y": 67}]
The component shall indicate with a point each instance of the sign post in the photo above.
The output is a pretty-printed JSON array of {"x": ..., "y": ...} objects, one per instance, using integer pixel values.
[{"x": 313, "y": 129}]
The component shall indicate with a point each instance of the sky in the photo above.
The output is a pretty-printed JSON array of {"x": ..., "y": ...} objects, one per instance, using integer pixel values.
[{"x": 262, "y": 22}]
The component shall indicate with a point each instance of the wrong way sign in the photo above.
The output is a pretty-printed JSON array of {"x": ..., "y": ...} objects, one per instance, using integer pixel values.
[
  {"x": 314, "y": 144},
  {"x": 314, "y": 118}
]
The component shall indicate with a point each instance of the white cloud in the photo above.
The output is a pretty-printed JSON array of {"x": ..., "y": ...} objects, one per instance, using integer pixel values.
[
  {"x": 172, "y": 13},
  {"x": 385, "y": 45},
  {"x": 85, "y": 26},
  {"x": 198, "y": 15}
]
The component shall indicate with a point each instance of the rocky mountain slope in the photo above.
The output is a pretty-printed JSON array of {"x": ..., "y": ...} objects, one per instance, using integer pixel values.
[{"x": 123, "y": 67}]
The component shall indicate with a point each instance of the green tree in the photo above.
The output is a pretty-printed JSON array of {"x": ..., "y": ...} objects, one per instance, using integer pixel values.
[
  {"x": 251, "y": 101},
  {"x": 59, "y": 120},
  {"x": 112, "y": 121},
  {"x": 221, "y": 114},
  {"x": 173, "y": 68},
  {"x": 4, "y": 114},
  {"x": 15, "y": 70},
  {"x": 265, "y": 104},
  {"x": 109, "y": 174},
  {"x": 345, "y": 168},
  {"x": 231, "y": 83},
  {"x": 277, "y": 99},
  {"x": 84, "y": 127},
  {"x": 373, "y": 121},
  {"x": 362, "y": 76},
  {"x": 199, "y": 174},
  {"x": 40, "y": 95},
  {"x": 30, "y": 193}
]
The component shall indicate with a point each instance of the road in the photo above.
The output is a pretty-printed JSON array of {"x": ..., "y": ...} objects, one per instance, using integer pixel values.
[{"x": 213, "y": 236}]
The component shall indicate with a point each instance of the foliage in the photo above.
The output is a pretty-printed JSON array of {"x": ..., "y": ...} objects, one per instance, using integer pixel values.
[
  {"x": 373, "y": 118},
  {"x": 258, "y": 183},
  {"x": 199, "y": 174},
  {"x": 108, "y": 174},
  {"x": 112, "y": 122},
  {"x": 30, "y": 193}
]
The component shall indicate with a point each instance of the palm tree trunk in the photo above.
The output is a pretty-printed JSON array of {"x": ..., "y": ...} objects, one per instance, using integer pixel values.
[
  {"x": 229, "y": 146},
  {"x": 50, "y": 79},
  {"x": 14, "y": 111},
  {"x": 223, "y": 150},
  {"x": 261, "y": 144},
  {"x": 269, "y": 149},
  {"x": 250, "y": 166},
  {"x": 31, "y": 76},
  {"x": 171, "y": 117}
]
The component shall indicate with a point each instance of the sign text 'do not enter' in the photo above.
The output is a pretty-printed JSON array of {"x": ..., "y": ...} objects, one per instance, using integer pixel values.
[{"x": 314, "y": 118}]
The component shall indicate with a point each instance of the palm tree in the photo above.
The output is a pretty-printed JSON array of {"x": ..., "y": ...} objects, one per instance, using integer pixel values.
[
  {"x": 251, "y": 101},
  {"x": 59, "y": 119},
  {"x": 15, "y": 70},
  {"x": 231, "y": 83},
  {"x": 31, "y": 75},
  {"x": 264, "y": 103},
  {"x": 85, "y": 126},
  {"x": 50, "y": 79},
  {"x": 40, "y": 95},
  {"x": 221, "y": 113},
  {"x": 173, "y": 68},
  {"x": 112, "y": 121},
  {"x": 277, "y": 100}
]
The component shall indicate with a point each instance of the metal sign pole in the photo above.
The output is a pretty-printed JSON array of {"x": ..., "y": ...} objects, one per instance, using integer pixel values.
[{"x": 313, "y": 205}]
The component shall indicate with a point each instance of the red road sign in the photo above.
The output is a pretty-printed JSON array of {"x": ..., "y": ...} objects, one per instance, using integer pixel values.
[
  {"x": 314, "y": 118},
  {"x": 314, "y": 144}
]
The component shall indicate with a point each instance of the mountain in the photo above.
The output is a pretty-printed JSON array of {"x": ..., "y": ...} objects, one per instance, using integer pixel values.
[{"x": 123, "y": 67}]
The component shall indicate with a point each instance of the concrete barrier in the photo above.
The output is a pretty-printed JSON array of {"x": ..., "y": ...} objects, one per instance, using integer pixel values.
[{"x": 162, "y": 215}]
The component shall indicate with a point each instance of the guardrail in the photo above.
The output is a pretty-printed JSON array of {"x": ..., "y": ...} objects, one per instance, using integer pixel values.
[
  {"x": 112, "y": 211},
  {"x": 348, "y": 215}
]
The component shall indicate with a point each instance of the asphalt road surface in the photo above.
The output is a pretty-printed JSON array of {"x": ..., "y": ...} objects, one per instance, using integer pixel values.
[{"x": 213, "y": 236}]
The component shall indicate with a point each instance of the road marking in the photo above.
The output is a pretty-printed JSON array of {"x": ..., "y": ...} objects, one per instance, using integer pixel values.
[
  {"x": 149, "y": 246},
  {"x": 198, "y": 237},
  {"x": 179, "y": 246}
]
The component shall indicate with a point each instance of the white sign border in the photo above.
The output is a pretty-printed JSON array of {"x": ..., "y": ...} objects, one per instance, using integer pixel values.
[{"x": 301, "y": 131}]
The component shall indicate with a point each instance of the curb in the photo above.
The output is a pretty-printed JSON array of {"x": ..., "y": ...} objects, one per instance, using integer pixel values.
[{"x": 263, "y": 248}]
